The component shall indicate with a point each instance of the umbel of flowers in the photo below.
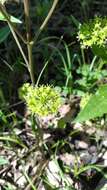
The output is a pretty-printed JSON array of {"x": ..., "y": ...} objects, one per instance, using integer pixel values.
[
  {"x": 94, "y": 32},
  {"x": 41, "y": 100}
]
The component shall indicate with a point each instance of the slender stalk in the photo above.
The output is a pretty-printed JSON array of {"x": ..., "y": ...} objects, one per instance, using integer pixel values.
[
  {"x": 29, "y": 42},
  {"x": 39, "y": 77},
  {"x": 92, "y": 63},
  {"x": 7, "y": 16},
  {"x": 40, "y": 168},
  {"x": 55, "y": 2},
  {"x": 83, "y": 56},
  {"x": 3, "y": 11},
  {"x": 31, "y": 185},
  {"x": 46, "y": 63},
  {"x": 19, "y": 46},
  {"x": 30, "y": 57}
]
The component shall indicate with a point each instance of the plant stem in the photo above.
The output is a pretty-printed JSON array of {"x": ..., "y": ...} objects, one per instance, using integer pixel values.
[
  {"x": 55, "y": 2},
  {"x": 5, "y": 14},
  {"x": 30, "y": 57},
  {"x": 29, "y": 42},
  {"x": 19, "y": 46},
  {"x": 46, "y": 63},
  {"x": 83, "y": 56}
]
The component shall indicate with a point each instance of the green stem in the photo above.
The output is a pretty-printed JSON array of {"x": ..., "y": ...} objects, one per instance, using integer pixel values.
[
  {"x": 29, "y": 42},
  {"x": 46, "y": 63},
  {"x": 83, "y": 56},
  {"x": 14, "y": 140},
  {"x": 30, "y": 57},
  {"x": 7, "y": 17},
  {"x": 5, "y": 14},
  {"x": 19, "y": 46},
  {"x": 40, "y": 136},
  {"x": 55, "y": 2},
  {"x": 39, "y": 77}
]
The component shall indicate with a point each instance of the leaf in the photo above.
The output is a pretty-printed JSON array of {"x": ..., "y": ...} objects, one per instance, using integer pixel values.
[
  {"x": 100, "y": 51},
  {"x": 14, "y": 140},
  {"x": 12, "y": 19},
  {"x": 96, "y": 106},
  {"x": 75, "y": 21},
  {"x": 3, "y": 161},
  {"x": 4, "y": 32},
  {"x": 15, "y": 20}
]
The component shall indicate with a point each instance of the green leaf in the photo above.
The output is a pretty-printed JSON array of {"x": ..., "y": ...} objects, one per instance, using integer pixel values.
[
  {"x": 12, "y": 19},
  {"x": 3, "y": 161},
  {"x": 4, "y": 32},
  {"x": 100, "y": 51},
  {"x": 14, "y": 140},
  {"x": 96, "y": 106},
  {"x": 75, "y": 21}
]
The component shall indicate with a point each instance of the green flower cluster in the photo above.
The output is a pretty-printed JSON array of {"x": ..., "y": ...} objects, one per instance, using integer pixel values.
[
  {"x": 93, "y": 32},
  {"x": 42, "y": 100}
]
